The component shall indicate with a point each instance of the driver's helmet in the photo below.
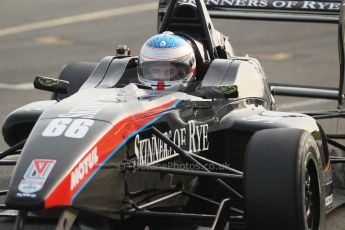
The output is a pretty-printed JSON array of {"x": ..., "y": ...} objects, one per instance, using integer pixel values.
[{"x": 166, "y": 62}]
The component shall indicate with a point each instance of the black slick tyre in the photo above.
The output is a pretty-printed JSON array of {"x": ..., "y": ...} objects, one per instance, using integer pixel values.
[{"x": 283, "y": 181}]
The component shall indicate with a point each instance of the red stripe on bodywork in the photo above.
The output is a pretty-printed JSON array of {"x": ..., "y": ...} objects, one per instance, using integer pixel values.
[{"x": 62, "y": 194}]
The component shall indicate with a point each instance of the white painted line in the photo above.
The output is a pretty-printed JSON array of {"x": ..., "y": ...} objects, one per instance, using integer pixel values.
[
  {"x": 22, "y": 86},
  {"x": 52, "y": 40},
  {"x": 298, "y": 104},
  {"x": 275, "y": 56},
  {"x": 79, "y": 18}
]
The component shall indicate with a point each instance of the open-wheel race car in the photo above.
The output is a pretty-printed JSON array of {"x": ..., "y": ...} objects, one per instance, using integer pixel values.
[{"x": 110, "y": 152}]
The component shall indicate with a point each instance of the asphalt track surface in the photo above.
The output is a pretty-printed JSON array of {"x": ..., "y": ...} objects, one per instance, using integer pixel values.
[{"x": 37, "y": 37}]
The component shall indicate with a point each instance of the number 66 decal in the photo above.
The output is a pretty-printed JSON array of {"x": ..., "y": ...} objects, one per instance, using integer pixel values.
[{"x": 77, "y": 128}]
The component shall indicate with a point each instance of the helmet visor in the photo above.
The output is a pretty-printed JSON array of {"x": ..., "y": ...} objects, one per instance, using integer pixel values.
[{"x": 164, "y": 70}]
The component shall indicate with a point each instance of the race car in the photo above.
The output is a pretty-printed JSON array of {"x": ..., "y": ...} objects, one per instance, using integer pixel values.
[{"x": 109, "y": 152}]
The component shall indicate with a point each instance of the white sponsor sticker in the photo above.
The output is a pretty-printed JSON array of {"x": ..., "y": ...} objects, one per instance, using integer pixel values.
[
  {"x": 329, "y": 200},
  {"x": 193, "y": 139},
  {"x": 277, "y": 4},
  {"x": 87, "y": 111},
  {"x": 36, "y": 175},
  {"x": 26, "y": 195},
  {"x": 83, "y": 168}
]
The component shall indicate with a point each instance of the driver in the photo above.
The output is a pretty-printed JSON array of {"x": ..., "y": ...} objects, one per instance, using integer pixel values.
[{"x": 167, "y": 62}]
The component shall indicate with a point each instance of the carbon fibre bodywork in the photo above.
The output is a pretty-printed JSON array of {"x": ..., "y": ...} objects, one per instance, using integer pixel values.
[{"x": 209, "y": 127}]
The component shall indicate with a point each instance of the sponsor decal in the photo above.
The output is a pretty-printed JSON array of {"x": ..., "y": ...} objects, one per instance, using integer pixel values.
[
  {"x": 48, "y": 81},
  {"x": 36, "y": 175},
  {"x": 329, "y": 200},
  {"x": 26, "y": 195},
  {"x": 73, "y": 128},
  {"x": 226, "y": 90},
  {"x": 84, "y": 168},
  {"x": 269, "y": 4},
  {"x": 193, "y": 139},
  {"x": 328, "y": 177},
  {"x": 86, "y": 111}
]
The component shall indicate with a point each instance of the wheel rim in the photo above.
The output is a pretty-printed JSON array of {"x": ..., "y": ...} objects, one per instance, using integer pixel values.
[{"x": 311, "y": 199}]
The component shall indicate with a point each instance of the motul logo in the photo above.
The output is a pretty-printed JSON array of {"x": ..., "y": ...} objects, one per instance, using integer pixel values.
[{"x": 83, "y": 168}]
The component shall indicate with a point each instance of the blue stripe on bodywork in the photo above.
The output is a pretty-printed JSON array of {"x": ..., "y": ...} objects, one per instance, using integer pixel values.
[{"x": 120, "y": 146}]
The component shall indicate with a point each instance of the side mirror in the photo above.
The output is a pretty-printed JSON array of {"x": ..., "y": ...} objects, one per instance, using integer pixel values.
[
  {"x": 224, "y": 91},
  {"x": 51, "y": 84}
]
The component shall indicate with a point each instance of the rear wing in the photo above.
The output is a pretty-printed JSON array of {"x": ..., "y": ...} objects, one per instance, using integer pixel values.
[
  {"x": 304, "y": 11},
  {"x": 319, "y": 11}
]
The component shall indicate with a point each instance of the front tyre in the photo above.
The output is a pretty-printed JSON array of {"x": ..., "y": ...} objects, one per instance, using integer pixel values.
[{"x": 283, "y": 181}]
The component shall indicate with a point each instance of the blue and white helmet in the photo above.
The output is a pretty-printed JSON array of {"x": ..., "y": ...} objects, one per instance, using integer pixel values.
[{"x": 166, "y": 62}]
